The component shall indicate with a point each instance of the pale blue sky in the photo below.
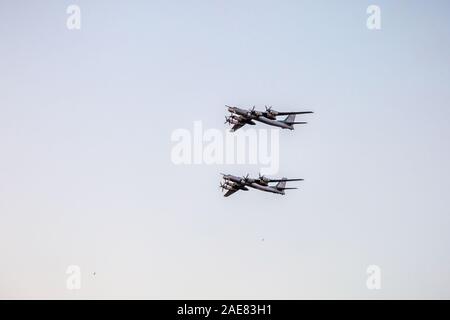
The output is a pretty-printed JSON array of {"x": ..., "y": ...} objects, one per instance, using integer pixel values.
[{"x": 85, "y": 171}]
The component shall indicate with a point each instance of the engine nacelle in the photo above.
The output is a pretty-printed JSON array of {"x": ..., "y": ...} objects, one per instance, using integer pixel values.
[
  {"x": 272, "y": 114},
  {"x": 230, "y": 183},
  {"x": 228, "y": 187}
]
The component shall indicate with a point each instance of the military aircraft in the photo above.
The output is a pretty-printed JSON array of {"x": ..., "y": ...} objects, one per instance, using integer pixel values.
[
  {"x": 240, "y": 117},
  {"x": 233, "y": 183}
]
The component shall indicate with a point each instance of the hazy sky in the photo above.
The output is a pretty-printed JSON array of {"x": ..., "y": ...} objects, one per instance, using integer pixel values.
[{"x": 86, "y": 176}]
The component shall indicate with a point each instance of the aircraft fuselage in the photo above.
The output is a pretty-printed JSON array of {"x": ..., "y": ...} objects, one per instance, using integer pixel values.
[
  {"x": 240, "y": 183},
  {"x": 258, "y": 117},
  {"x": 255, "y": 185}
]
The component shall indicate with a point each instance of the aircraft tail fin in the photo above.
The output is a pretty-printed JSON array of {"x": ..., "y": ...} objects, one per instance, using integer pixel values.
[
  {"x": 281, "y": 185},
  {"x": 290, "y": 119}
]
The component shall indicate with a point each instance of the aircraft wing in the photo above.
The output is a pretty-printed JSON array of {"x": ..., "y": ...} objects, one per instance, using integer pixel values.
[
  {"x": 279, "y": 180},
  {"x": 288, "y": 113},
  {"x": 237, "y": 126},
  {"x": 230, "y": 192}
]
